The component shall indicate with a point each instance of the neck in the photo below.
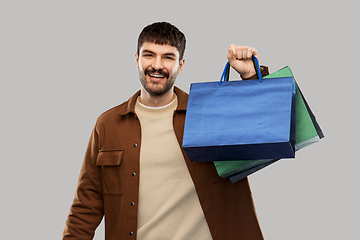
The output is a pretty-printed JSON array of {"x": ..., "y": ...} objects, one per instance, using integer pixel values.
[{"x": 156, "y": 101}]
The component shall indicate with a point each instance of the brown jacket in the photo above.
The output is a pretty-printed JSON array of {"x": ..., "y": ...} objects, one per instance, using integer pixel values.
[{"x": 109, "y": 183}]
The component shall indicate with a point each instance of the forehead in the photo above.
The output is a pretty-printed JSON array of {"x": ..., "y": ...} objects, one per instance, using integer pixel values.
[{"x": 159, "y": 49}]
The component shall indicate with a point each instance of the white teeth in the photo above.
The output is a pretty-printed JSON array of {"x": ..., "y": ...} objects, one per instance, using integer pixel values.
[{"x": 156, "y": 76}]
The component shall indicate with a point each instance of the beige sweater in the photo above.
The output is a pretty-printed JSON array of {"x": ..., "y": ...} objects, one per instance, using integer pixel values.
[{"x": 169, "y": 207}]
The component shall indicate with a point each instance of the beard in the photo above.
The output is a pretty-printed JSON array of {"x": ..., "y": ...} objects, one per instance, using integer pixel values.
[{"x": 157, "y": 88}]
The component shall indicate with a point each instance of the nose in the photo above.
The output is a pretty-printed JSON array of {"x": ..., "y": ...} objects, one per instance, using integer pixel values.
[{"x": 158, "y": 63}]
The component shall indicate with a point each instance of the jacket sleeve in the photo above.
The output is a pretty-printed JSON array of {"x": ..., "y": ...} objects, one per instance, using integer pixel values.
[{"x": 86, "y": 210}]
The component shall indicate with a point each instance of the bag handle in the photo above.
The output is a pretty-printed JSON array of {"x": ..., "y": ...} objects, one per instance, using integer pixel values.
[{"x": 226, "y": 73}]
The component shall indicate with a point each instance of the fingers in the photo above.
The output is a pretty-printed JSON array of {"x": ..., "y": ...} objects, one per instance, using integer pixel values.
[
  {"x": 241, "y": 52},
  {"x": 231, "y": 53},
  {"x": 240, "y": 58}
]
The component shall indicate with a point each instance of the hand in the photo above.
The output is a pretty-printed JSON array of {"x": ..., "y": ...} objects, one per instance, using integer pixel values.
[{"x": 240, "y": 58}]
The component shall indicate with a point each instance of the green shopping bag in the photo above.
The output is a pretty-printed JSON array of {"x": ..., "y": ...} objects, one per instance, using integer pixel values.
[{"x": 306, "y": 128}]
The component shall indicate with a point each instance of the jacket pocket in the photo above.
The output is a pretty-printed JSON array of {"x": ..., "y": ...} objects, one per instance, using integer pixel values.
[{"x": 112, "y": 172}]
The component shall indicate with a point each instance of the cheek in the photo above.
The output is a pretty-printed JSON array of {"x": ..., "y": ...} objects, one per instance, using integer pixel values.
[
  {"x": 174, "y": 68},
  {"x": 142, "y": 65}
]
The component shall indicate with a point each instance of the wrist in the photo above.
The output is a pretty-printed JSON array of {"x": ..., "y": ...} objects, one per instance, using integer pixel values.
[
  {"x": 248, "y": 75},
  {"x": 264, "y": 72}
]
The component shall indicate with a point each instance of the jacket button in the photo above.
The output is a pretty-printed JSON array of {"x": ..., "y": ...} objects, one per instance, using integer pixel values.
[
  {"x": 135, "y": 144},
  {"x": 133, "y": 174},
  {"x": 131, "y": 233},
  {"x": 132, "y": 203}
]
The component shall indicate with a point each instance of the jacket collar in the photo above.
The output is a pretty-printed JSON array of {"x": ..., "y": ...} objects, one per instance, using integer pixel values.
[{"x": 129, "y": 106}]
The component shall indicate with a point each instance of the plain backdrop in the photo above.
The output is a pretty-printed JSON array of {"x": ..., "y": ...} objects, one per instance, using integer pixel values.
[{"x": 63, "y": 63}]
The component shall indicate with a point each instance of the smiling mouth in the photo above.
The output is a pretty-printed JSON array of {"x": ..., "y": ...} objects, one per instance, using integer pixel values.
[{"x": 157, "y": 76}]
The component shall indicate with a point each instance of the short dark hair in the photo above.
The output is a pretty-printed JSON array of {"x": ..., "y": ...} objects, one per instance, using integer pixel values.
[{"x": 163, "y": 33}]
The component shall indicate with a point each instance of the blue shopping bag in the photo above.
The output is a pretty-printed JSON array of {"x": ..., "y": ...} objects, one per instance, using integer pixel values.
[
  {"x": 240, "y": 120},
  {"x": 307, "y": 131}
]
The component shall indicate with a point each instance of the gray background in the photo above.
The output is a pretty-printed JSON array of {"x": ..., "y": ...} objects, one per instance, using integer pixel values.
[{"x": 62, "y": 63}]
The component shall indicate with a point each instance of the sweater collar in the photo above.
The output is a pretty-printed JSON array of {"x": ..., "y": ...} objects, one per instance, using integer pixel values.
[{"x": 129, "y": 106}]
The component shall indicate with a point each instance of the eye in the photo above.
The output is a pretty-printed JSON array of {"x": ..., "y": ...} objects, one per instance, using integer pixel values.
[{"x": 169, "y": 58}]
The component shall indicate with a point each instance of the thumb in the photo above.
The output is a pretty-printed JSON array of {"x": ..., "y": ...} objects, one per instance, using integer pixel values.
[{"x": 256, "y": 54}]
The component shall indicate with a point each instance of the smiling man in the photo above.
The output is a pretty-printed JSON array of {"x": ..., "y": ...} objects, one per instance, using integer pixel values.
[{"x": 135, "y": 172}]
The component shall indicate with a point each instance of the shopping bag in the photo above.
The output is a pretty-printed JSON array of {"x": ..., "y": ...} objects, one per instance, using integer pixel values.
[
  {"x": 240, "y": 120},
  {"x": 238, "y": 169},
  {"x": 307, "y": 130}
]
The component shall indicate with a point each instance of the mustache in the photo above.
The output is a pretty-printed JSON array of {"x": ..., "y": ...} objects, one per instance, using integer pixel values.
[{"x": 151, "y": 70}]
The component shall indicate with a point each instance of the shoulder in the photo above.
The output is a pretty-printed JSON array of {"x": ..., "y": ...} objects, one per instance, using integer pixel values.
[
  {"x": 110, "y": 115},
  {"x": 120, "y": 110}
]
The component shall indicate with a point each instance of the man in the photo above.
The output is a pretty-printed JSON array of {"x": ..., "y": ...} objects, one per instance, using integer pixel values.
[{"x": 135, "y": 172}]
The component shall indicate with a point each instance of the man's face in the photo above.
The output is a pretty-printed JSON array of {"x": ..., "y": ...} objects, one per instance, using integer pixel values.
[{"x": 158, "y": 67}]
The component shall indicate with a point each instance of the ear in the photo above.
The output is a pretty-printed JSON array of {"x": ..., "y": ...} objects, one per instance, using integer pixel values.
[
  {"x": 137, "y": 59},
  {"x": 181, "y": 65}
]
